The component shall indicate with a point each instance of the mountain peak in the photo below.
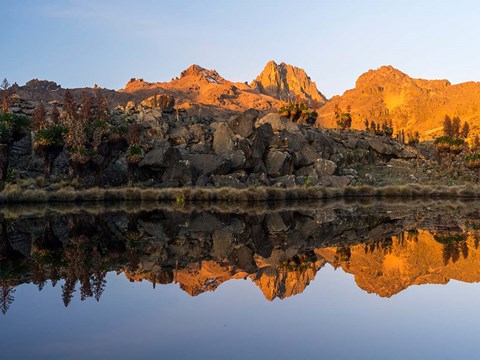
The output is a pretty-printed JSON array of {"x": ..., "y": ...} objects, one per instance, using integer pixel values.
[
  {"x": 197, "y": 71},
  {"x": 285, "y": 82}
]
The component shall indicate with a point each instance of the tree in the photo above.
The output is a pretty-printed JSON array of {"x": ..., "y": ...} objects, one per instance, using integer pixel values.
[
  {"x": 344, "y": 119},
  {"x": 456, "y": 127},
  {"x": 5, "y": 90},
  {"x": 6, "y": 296},
  {"x": 465, "y": 130},
  {"x": 476, "y": 144},
  {"x": 447, "y": 126},
  {"x": 87, "y": 105},
  {"x": 55, "y": 115},
  {"x": 76, "y": 138},
  {"x": 39, "y": 118},
  {"x": 134, "y": 152},
  {"x": 99, "y": 284},
  {"x": 100, "y": 106},
  {"x": 68, "y": 289}
]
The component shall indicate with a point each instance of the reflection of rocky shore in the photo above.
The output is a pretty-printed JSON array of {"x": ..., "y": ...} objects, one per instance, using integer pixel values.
[{"x": 386, "y": 247}]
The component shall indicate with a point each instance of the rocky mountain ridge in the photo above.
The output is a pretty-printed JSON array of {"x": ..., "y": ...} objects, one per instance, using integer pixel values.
[
  {"x": 387, "y": 94},
  {"x": 199, "y": 91}
]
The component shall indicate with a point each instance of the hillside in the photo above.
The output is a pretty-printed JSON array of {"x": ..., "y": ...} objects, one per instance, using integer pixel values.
[{"x": 411, "y": 104}]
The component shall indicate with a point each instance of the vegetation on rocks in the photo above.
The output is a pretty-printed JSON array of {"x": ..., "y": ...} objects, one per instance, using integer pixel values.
[
  {"x": 299, "y": 111},
  {"x": 343, "y": 118}
]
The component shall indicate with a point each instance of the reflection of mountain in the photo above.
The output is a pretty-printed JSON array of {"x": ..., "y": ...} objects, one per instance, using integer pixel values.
[
  {"x": 278, "y": 250},
  {"x": 411, "y": 259}
]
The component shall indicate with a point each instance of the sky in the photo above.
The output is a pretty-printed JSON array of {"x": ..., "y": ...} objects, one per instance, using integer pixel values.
[{"x": 107, "y": 42}]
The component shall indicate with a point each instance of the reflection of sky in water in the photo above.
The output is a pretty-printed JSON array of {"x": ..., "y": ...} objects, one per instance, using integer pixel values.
[{"x": 331, "y": 319}]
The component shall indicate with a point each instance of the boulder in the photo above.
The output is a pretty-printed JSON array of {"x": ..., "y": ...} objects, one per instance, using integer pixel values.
[
  {"x": 200, "y": 133},
  {"x": 306, "y": 156},
  {"x": 181, "y": 173},
  {"x": 150, "y": 115},
  {"x": 258, "y": 179},
  {"x": 244, "y": 123},
  {"x": 131, "y": 106},
  {"x": 237, "y": 159},
  {"x": 227, "y": 181},
  {"x": 321, "y": 143},
  {"x": 180, "y": 135},
  {"x": 261, "y": 140},
  {"x": 286, "y": 181},
  {"x": 325, "y": 167},
  {"x": 163, "y": 102},
  {"x": 308, "y": 171},
  {"x": 279, "y": 163},
  {"x": 278, "y": 123},
  {"x": 208, "y": 164},
  {"x": 336, "y": 181},
  {"x": 222, "y": 138},
  {"x": 203, "y": 180},
  {"x": 381, "y": 147},
  {"x": 115, "y": 173},
  {"x": 200, "y": 149},
  {"x": 161, "y": 157}
]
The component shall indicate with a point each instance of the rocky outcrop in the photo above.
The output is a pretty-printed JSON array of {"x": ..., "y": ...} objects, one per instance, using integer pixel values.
[
  {"x": 250, "y": 148},
  {"x": 286, "y": 82}
]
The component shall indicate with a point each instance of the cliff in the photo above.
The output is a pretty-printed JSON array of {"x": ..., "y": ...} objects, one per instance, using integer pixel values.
[{"x": 286, "y": 82}]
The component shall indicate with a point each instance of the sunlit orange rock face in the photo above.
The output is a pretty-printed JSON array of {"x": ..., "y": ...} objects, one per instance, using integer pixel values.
[
  {"x": 411, "y": 104},
  {"x": 413, "y": 259},
  {"x": 285, "y": 82},
  {"x": 206, "y": 90}
]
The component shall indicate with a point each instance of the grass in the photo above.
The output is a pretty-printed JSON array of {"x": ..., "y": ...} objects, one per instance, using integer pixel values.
[{"x": 16, "y": 194}]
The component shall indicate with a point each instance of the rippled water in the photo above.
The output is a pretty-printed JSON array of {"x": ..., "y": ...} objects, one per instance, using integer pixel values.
[{"x": 326, "y": 280}]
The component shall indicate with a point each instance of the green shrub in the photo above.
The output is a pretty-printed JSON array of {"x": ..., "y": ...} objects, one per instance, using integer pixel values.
[
  {"x": 134, "y": 154},
  {"x": 12, "y": 125},
  {"x": 298, "y": 112},
  {"x": 51, "y": 136}
]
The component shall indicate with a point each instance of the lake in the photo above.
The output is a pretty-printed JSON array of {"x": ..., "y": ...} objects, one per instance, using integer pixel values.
[{"x": 333, "y": 280}]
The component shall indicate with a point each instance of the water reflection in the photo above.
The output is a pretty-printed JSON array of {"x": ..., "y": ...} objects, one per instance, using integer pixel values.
[{"x": 387, "y": 247}]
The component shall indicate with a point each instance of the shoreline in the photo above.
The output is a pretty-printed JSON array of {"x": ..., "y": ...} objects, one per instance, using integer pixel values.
[{"x": 233, "y": 195}]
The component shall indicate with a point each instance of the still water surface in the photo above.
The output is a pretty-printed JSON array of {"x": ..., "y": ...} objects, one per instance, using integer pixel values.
[{"x": 332, "y": 281}]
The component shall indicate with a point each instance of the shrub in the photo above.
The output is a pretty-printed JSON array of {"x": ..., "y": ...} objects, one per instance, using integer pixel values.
[
  {"x": 298, "y": 112},
  {"x": 472, "y": 160},
  {"x": 51, "y": 136},
  {"x": 12, "y": 126},
  {"x": 134, "y": 154}
]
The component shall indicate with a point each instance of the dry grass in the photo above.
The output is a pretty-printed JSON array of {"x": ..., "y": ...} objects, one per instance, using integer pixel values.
[{"x": 16, "y": 194}]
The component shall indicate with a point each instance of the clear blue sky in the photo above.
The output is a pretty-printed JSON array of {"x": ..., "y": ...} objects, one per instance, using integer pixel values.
[{"x": 79, "y": 43}]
